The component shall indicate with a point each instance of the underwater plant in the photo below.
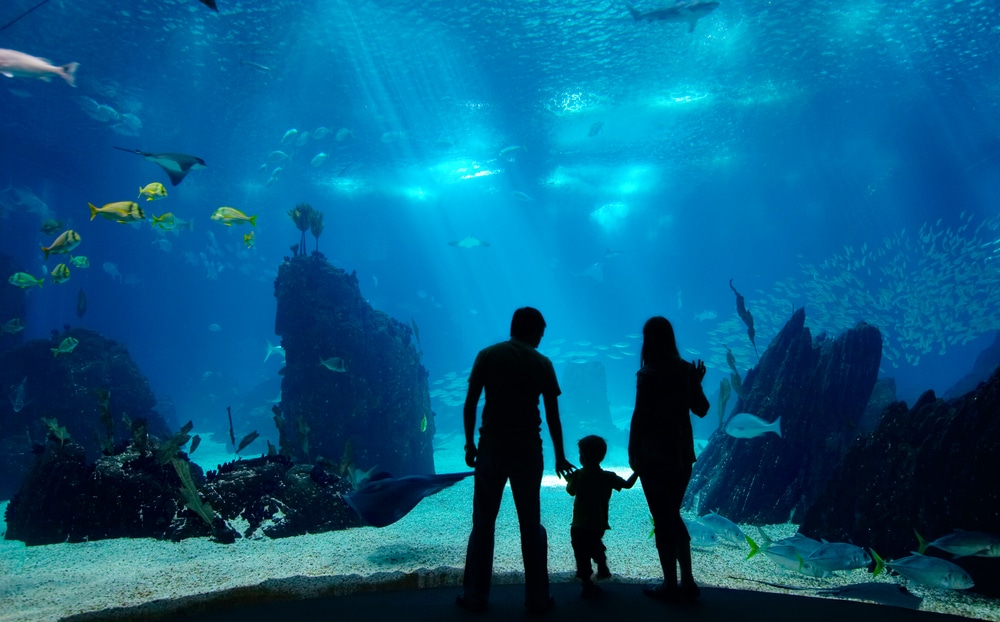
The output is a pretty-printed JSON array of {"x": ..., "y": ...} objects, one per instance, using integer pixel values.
[
  {"x": 108, "y": 440},
  {"x": 301, "y": 215},
  {"x": 57, "y": 431},
  {"x": 190, "y": 492},
  {"x": 168, "y": 450},
  {"x": 316, "y": 225}
]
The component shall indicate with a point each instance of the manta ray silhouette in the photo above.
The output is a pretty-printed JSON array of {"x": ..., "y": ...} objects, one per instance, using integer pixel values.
[
  {"x": 383, "y": 500},
  {"x": 177, "y": 165}
]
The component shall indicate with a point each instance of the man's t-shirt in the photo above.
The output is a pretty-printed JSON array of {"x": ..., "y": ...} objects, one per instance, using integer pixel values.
[{"x": 514, "y": 375}]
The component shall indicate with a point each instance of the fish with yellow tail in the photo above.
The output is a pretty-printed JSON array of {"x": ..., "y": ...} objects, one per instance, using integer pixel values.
[
  {"x": 60, "y": 274},
  {"x": 66, "y": 242},
  {"x": 24, "y": 280},
  {"x": 153, "y": 191},
  {"x": 14, "y": 64},
  {"x": 66, "y": 346},
  {"x": 248, "y": 239},
  {"x": 120, "y": 211},
  {"x": 230, "y": 216},
  {"x": 80, "y": 261}
]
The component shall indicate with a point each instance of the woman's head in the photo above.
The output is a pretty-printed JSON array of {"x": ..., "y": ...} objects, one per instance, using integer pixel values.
[{"x": 658, "y": 341}]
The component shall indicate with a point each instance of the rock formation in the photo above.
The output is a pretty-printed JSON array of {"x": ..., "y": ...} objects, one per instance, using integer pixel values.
[
  {"x": 69, "y": 388},
  {"x": 584, "y": 407},
  {"x": 932, "y": 468},
  {"x": 353, "y": 389},
  {"x": 819, "y": 388},
  {"x": 140, "y": 493},
  {"x": 982, "y": 369}
]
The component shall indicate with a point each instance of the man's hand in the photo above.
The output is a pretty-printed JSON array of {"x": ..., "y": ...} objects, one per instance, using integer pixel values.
[
  {"x": 470, "y": 456},
  {"x": 564, "y": 467}
]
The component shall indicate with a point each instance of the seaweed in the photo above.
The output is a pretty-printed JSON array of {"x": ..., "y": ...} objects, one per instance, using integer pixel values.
[
  {"x": 107, "y": 442},
  {"x": 168, "y": 450},
  {"x": 725, "y": 390},
  {"x": 195, "y": 441},
  {"x": 284, "y": 445},
  {"x": 56, "y": 431},
  {"x": 249, "y": 438},
  {"x": 303, "y": 430},
  {"x": 232, "y": 437},
  {"x": 301, "y": 215},
  {"x": 741, "y": 310},
  {"x": 316, "y": 225},
  {"x": 190, "y": 493}
]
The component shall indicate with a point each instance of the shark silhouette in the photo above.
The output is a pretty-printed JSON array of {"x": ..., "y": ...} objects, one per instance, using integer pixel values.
[
  {"x": 384, "y": 499},
  {"x": 689, "y": 11},
  {"x": 177, "y": 165}
]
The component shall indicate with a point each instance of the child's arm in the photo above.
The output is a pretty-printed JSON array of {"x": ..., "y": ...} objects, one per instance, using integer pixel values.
[
  {"x": 571, "y": 483},
  {"x": 631, "y": 480}
]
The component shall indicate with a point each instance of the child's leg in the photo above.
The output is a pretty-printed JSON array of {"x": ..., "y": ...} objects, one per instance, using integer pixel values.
[
  {"x": 581, "y": 553},
  {"x": 601, "y": 558}
]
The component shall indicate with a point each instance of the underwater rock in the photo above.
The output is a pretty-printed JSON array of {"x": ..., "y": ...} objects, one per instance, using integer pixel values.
[
  {"x": 584, "y": 407},
  {"x": 67, "y": 388},
  {"x": 931, "y": 468},
  {"x": 982, "y": 369},
  {"x": 353, "y": 389},
  {"x": 819, "y": 388},
  {"x": 139, "y": 494}
]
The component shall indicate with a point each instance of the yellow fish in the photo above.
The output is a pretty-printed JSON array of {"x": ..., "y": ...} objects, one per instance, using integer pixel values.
[
  {"x": 80, "y": 261},
  {"x": 14, "y": 326},
  {"x": 66, "y": 346},
  {"x": 24, "y": 280},
  {"x": 153, "y": 191},
  {"x": 67, "y": 241},
  {"x": 248, "y": 239},
  {"x": 120, "y": 211},
  {"x": 230, "y": 216},
  {"x": 423, "y": 424},
  {"x": 167, "y": 221},
  {"x": 60, "y": 274}
]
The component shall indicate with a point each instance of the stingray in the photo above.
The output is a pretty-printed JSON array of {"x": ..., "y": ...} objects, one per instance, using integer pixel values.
[
  {"x": 177, "y": 165},
  {"x": 384, "y": 500}
]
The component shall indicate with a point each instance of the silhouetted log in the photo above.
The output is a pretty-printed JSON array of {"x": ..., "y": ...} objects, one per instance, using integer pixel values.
[{"x": 819, "y": 389}]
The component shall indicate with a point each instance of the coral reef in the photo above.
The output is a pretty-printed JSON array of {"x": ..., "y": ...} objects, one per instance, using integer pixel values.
[
  {"x": 87, "y": 391},
  {"x": 930, "y": 468},
  {"x": 352, "y": 374},
  {"x": 151, "y": 490},
  {"x": 820, "y": 389}
]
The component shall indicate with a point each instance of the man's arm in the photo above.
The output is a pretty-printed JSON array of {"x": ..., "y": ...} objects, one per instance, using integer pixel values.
[
  {"x": 563, "y": 466},
  {"x": 469, "y": 418}
]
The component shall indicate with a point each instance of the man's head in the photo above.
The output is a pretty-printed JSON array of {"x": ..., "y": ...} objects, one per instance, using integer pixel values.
[{"x": 528, "y": 326}]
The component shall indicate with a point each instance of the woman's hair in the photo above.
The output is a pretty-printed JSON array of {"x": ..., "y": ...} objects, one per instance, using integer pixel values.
[{"x": 659, "y": 344}]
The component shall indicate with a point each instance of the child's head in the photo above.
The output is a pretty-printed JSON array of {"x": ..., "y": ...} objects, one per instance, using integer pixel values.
[{"x": 592, "y": 450}]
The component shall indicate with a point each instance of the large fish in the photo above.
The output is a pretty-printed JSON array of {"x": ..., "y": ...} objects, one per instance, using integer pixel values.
[
  {"x": 177, "y": 165},
  {"x": 383, "y": 501},
  {"x": 689, "y": 11},
  {"x": 14, "y": 64},
  {"x": 745, "y": 425},
  {"x": 932, "y": 572}
]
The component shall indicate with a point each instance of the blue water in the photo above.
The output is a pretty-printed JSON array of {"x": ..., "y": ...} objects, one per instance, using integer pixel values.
[{"x": 771, "y": 139}]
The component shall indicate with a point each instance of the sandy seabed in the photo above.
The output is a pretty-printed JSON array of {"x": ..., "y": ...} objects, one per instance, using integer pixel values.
[{"x": 425, "y": 548}]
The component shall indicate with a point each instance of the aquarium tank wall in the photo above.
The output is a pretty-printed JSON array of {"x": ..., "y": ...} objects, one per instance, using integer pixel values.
[{"x": 251, "y": 251}]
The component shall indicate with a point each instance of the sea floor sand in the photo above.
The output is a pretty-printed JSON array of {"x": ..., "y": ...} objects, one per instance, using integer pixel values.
[{"x": 49, "y": 582}]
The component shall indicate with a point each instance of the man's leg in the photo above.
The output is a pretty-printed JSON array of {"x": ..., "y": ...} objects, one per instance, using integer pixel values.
[
  {"x": 488, "y": 492},
  {"x": 525, "y": 485}
]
